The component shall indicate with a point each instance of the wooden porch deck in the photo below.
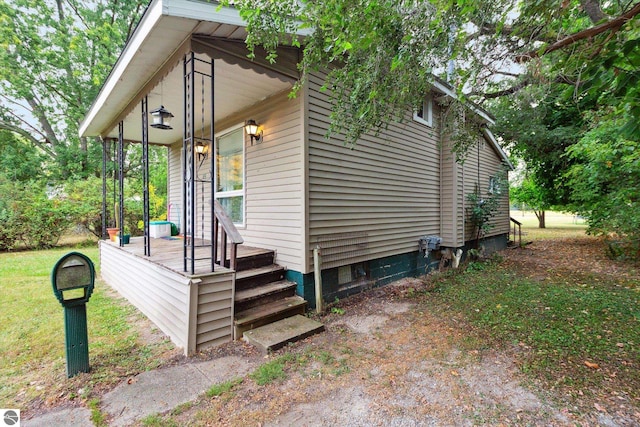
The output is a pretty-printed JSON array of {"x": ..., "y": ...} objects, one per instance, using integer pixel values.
[{"x": 168, "y": 253}]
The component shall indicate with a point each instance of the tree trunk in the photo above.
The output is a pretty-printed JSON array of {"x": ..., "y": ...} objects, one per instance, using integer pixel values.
[{"x": 541, "y": 219}]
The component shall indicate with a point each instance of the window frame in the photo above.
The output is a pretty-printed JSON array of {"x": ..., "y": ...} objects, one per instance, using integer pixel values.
[
  {"x": 233, "y": 193},
  {"x": 494, "y": 186},
  {"x": 427, "y": 105}
]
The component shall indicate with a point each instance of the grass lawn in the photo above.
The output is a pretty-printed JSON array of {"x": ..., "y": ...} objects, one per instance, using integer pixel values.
[
  {"x": 32, "y": 362},
  {"x": 571, "y": 314}
]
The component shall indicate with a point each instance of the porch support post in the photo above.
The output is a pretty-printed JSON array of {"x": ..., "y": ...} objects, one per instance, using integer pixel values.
[
  {"x": 188, "y": 165},
  {"x": 212, "y": 156},
  {"x": 104, "y": 189},
  {"x": 120, "y": 212},
  {"x": 145, "y": 176}
]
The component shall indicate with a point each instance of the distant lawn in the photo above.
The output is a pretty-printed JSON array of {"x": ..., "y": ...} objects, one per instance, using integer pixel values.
[
  {"x": 558, "y": 225},
  {"x": 32, "y": 362}
]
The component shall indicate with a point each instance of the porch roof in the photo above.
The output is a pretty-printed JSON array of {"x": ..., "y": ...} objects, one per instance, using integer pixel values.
[{"x": 148, "y": 65}]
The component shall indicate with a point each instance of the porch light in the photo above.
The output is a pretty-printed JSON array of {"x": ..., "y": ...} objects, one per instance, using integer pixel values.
[
  {"x": 161, "y": 118},
  {"x": 202, "y": 150},
  {"x": 253, "y": 130}
]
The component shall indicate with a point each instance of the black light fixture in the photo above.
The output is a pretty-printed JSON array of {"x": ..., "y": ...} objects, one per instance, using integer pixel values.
[
  {"x": 161, "y": 118},
  {"x": 253, "y": 130}
]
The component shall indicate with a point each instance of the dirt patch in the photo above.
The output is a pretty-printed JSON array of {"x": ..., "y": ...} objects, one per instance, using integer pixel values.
[{"x": 388, "y": 360}]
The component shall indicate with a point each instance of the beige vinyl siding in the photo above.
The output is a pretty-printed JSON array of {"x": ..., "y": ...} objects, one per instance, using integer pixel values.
[
  {"x": 484, "y": 162},
  {"x": 174, "y": 186},
  {"x": 214, "y": 311},
  {"x": 452, "y": 214},
  {"x": 195, "y": 312},
  {"x": 274, "y": 185},
  {"x": 162, "y": 295},
  {"x": 376, "y": 199}
]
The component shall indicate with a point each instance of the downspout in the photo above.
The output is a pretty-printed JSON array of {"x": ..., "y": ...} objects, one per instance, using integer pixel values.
[{"x": 317, "y": 277}]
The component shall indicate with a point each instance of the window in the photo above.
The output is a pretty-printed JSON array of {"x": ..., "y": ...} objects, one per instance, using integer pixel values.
[
  {"x": 494, "y": 185},
  {"x": 424, "y": 114},
  {"x": 230, "y": 173}
]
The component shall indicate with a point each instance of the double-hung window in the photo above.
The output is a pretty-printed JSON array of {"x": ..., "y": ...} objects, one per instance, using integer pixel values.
[{"x": 230, "y": 178}]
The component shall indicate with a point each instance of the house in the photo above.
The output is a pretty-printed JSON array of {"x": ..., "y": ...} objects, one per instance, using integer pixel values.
[{"x": 279, "y": 207}]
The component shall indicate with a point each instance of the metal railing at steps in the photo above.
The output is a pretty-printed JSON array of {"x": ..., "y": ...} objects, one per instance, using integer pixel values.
[
  {"x": 519, "y": 225},
  {"x": 225, "y": 235}
]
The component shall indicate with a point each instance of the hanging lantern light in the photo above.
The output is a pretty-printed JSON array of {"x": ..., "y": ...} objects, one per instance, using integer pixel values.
[{"x": 161, "y": 118}]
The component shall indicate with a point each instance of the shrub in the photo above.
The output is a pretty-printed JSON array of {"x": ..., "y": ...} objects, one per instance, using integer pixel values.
[{"x": 31, "y": 216}]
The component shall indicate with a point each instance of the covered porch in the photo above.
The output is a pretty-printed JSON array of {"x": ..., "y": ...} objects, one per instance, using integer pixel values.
[{"x": 187, "y": 58}]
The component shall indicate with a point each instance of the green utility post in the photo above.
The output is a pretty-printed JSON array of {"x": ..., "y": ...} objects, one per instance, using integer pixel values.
[{"x": 73, "y": 279}]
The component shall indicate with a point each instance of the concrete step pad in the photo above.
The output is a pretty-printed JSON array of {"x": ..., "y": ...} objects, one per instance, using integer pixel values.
[
  {"x": 268, "y": 313},
  {"x": 276, "y": 335}
]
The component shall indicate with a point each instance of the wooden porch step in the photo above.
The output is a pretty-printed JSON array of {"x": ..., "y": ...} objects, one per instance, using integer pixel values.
[
  {"x": 249, "y": 298},
  {"x": 276, "y": 335},
  {"x": 268, "y": 313},
  {"x": 259, "y": 276},
  {"x": 253, "y": 258}
]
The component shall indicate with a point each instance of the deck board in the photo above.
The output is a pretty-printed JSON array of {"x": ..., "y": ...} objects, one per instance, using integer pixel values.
[{"x": 169, "y": 253}]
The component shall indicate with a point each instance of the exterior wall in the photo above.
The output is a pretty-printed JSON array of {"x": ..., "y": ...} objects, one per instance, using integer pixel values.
[
  {"x": 214, "y": 316},
  {"x": 274, "y": 181},
  {"x": 451, "y": 187},
  {"x": 375, "y": 200},
  {"x": 174, "y": 184},
  {"x": 162, "y": 295},
  {"x": 195, "y": 312},
  {"x": 482, "y": 163}
]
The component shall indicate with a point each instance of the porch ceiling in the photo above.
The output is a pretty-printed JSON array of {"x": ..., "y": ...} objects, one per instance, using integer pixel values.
[
  {"x": 235, "y": 89},
  {"x": 151, "y": 64}
]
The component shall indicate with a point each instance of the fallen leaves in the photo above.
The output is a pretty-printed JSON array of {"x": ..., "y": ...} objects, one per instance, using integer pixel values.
[{"x": 591, "y": 365}]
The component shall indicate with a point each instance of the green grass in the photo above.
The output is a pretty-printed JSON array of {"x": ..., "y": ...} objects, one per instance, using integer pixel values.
[
  {"x": 272, "y": 370},
  {"x": 222, "y": 388},
  {"x": 32, "y": 363},
  {"x": 97, "y": 417},
  {"x": 558, "y": 225},
  {"x": 564, "y": 320}
]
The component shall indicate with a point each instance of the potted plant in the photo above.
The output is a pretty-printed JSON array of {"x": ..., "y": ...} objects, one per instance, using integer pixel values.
[
  {"x": 126, "y": 236},
  {"x": 113, "y": 231}
]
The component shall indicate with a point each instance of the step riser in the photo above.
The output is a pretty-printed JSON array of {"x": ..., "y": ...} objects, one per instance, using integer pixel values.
[
  {"x": 241, "y": 329},
  {"x": 263, "y": 279},
  {"x": 255, "y": 261},
  {"x": 246, "y": 305}
]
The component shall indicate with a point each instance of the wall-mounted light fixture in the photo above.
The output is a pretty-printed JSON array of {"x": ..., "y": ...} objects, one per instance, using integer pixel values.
[
  {"x": 161, "y": 118},
  {"x": 253, "y": 130},
  {"x": 202, "y": 150}
]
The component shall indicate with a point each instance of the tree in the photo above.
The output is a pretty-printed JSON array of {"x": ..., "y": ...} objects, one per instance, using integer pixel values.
[
  {"x": 538, "y": 124},
  {"x": 18, "y": 162},
  {"x": 606, "y": 183},
  {"x": 533, "y": 196},
  {"x": 54, "y": 57},
  {"x": 383, "y": 54}
]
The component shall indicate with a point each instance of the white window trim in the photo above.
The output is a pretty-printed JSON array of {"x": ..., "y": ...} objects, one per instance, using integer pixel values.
[
  {"x": 234, "y": 193},
  {"x": 427, "y": 105},
  {"x": 494, "y": 186}
]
